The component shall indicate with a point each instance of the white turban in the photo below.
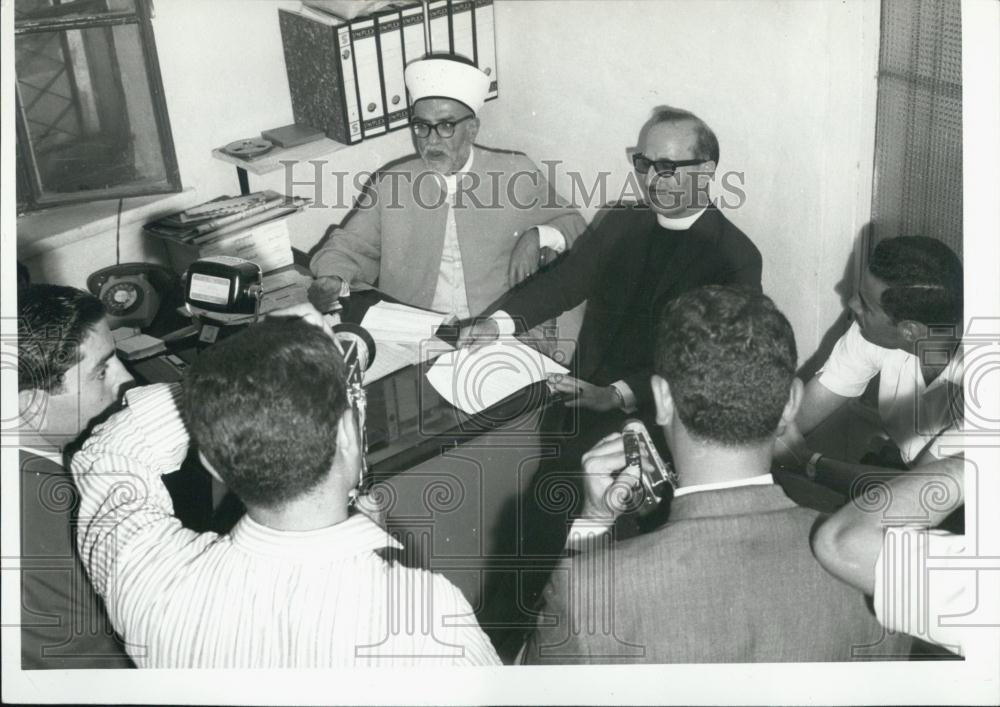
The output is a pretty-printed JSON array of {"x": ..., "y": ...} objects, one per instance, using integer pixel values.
[{"x": 447, "y": 78}]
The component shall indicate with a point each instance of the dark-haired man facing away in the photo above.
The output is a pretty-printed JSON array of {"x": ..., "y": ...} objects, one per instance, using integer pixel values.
[
  {"x": 907, "y": 331},
  {"x": 67, "y": 375},
  {"x": 730, "y": 577},
  {"x": 300, "y": 581}
]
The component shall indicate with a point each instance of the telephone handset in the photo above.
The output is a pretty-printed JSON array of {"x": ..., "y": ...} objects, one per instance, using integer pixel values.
[{"x": 131, "y": 292}]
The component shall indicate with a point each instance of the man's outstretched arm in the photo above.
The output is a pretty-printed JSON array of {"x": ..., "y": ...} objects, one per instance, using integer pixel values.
[{"x": 849, "y": 542}]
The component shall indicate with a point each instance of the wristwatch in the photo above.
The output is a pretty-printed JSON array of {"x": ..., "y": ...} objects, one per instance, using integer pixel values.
[{"x": 621, "y": 398}]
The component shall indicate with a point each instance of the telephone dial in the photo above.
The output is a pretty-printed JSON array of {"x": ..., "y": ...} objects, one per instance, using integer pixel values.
[{"x": 131, "y": 292}]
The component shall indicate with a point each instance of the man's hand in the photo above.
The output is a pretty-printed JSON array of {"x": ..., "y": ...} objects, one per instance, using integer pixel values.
[
  {"x": 525, "y": 258},
  {"x": 324, "y": 292},
  {"x": 791, "y": 452},
  {"x": 481, "y": 332},
  {"x": 607, "y": 493},
  {"x": 580, "y": 393}
]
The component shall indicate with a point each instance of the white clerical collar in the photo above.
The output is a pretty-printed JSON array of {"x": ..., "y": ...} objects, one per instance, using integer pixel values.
[
  {"x": 762, "y": 480},
  {"x": 451, "y": 179},
  {"x": 679, "y": 224}
]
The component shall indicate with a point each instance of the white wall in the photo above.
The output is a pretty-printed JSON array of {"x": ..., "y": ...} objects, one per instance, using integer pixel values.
[{"x": 788, "y": 87}]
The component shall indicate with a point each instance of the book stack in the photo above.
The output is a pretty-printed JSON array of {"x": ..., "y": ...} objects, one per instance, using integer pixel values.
[{"x": 253, "y": 227}]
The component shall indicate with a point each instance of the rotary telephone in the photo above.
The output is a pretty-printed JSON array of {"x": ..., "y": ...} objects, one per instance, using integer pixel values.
[{"x": 132, "y": 292}]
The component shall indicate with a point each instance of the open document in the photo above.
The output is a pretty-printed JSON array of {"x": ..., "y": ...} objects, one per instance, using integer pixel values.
[
  {"x": 400, "y": 332},
  {"x": 473, "y": 382}
]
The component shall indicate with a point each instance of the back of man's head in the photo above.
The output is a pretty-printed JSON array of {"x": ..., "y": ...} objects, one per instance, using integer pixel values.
[
  {"x": 924, "y": 278},
  {"x": 729, "y": 358},
  {"x": 263, "y": 407},
  {"x": 52, "y": 322}
]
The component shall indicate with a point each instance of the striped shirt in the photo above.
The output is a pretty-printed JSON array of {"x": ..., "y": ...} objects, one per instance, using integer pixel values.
[{"x": 257, "y": 597}]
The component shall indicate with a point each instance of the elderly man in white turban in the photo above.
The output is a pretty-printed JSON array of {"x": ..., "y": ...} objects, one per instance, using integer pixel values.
[{"x": 454, "y": 228}]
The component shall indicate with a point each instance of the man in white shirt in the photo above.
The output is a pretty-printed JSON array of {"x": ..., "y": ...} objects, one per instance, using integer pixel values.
[
  {"x": 730, "y": 577},
  {"x": 302, "y": 580},
  {"x": 68, "y": 375},
  {"x": 907, "y": 331},
  {"x": 454, "y": 228}
]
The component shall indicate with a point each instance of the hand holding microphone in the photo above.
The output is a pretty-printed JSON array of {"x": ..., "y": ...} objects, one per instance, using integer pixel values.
[
  {"x": 624, "y": 472},
  {"x": 608, "y": 479}
]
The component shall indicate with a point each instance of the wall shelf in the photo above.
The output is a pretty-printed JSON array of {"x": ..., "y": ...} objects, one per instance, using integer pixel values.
[{"x": 272, "y": 160}]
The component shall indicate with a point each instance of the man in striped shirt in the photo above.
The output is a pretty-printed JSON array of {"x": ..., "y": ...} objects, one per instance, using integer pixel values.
[{"x": 300, "y": 581}]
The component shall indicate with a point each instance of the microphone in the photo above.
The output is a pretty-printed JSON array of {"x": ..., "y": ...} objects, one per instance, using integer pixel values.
[
  {"x": 358, "y": 348},
  {"x": 654, "y": 478}
]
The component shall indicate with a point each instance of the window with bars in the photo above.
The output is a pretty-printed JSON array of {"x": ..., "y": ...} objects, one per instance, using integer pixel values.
[
  {"x": 918, "y": 144},
  {"x": 91, "y": 117}
]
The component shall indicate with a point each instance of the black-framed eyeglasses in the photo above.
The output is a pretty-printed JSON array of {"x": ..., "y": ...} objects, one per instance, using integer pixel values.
[
  {"x": 445, "y": 128},
  {"x": 664, "y": 168}
]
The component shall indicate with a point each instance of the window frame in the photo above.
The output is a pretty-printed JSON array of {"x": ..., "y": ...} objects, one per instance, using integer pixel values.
[{"x": 30, "y": 193}]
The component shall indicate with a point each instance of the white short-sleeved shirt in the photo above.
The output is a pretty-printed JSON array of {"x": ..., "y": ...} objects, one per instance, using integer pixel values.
[
  {"x": 927, "y": 585},
  {"x": 913, "y": 413}
]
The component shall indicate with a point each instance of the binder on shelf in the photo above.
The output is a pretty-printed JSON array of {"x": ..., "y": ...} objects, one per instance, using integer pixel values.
[
  {"x": 364, "y": 41},
  {"x": 414, "y": 43},
  {"x": 463, "y": 41},
  {"x": 390, "y": 50},
  {"x": 437, "y": 27},
  {"x": 321, "y": 75},
  {"x": 485, "y": 43}
]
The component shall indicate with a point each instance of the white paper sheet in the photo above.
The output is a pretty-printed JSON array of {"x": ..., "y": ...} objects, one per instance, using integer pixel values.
[
  {"x": 391, "y": 356},
  {"x": 474, "y": 382},
  {"x": 398, "y": 322},
  {"x": 404, "y": 336}
]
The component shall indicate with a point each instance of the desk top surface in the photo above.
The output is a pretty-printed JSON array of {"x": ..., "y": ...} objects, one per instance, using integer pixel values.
[{"x": 408, "y": 422}]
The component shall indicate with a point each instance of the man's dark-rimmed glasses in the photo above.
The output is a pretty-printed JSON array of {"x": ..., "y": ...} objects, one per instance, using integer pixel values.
[
  {"x": 664, "y": 168},
  {"x": 444, "y": 128}
]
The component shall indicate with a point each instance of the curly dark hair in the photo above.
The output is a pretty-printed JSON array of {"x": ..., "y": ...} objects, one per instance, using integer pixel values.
[
  {"x": 52, "y": 322},
  {"x": 263, "y": 408},
  {"x": 729, "y": 357},
  {"x": 924, "y": 278}
]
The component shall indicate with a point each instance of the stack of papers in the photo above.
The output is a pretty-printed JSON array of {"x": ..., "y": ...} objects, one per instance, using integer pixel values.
[
  {"x": 473, "y": 382},
  {"x": 404, "y": 336}
]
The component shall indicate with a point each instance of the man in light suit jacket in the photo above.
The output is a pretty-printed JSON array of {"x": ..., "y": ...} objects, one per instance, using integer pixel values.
[
  {"x": 454, "y": 228},
  {"x": 730, "y": 577}
]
